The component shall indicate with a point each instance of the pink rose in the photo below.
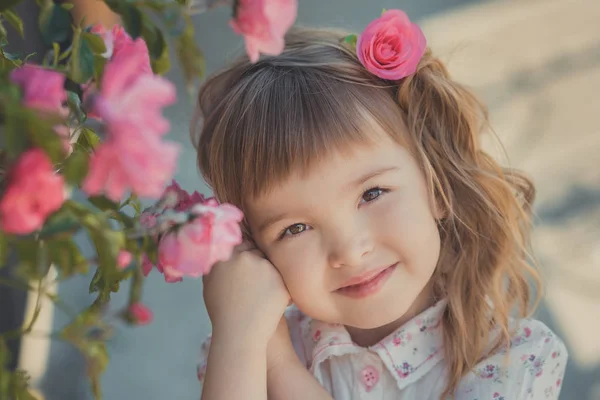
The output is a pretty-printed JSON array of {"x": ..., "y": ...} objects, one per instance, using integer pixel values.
[
  {"x": 184, "y": 200},
  {"x": 117, "y": 39},
  {"x": 133, "y": 155},
  {"x": 124, "y": 259},
  {"x": 194, "y": 248},
  {"x": 140, "y": 164},
  {"x": 147, "y": 267},
  {"x": 391, "y": 46},
  {"x": 141, "y": 314},
  {"x": 34, "y": 191},
  {"x": 130, "y": 97},
  {"x": 263, "y": 23},
  {"x": 43, "y": 89}
]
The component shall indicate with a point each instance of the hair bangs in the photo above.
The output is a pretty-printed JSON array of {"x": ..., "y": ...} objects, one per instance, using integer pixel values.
[{"x": 288, "y": 120}]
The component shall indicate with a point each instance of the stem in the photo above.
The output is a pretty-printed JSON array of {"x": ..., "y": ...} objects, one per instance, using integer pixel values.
[
  {"x": 135, "y": 293},
  {"x": 38, "y": 308},
  {"x": 55, "y": 300}
]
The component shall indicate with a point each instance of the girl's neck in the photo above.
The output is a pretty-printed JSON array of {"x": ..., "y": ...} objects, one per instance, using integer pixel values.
[{"x": 369, "y": 337}]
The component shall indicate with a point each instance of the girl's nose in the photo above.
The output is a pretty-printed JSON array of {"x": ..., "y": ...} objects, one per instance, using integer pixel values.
[{"x": 350, "y": 243}]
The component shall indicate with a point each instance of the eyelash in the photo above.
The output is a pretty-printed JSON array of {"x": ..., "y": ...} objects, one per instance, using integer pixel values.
[{"x": 284, "y": 235}]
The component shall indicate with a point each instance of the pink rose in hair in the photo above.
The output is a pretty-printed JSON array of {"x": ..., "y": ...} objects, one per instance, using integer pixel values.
[
  {"x": 194, "y": 248},
  {"x": 263, "y": 23},
  {"x": 34, "y": 192},
  {"x": 391, "y": 46}
]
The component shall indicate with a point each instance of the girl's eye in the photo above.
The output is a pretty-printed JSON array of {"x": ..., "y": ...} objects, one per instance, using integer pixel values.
[
  {"x": 371, "y": 194},
  {"x": 293, "y": 230}
]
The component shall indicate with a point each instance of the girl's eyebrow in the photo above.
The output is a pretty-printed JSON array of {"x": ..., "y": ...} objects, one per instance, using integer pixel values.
[
  {"x": 271, "y": 220},
  {"x": 370, "y": 175}
]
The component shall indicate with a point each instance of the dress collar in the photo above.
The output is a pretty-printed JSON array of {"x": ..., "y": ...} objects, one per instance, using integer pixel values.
[{"x": 408, "y": 353}]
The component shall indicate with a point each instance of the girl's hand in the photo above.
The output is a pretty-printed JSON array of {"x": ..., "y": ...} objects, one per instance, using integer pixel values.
[{"x": 245, "y": 296}]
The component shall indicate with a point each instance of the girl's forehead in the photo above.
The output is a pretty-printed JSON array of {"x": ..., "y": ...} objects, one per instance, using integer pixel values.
[{"x": 336, "y": 171}]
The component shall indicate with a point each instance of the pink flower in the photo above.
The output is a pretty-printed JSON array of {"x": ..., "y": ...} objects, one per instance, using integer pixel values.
[
  {"x": 141, "y": 314},
  {"x": 124, "y": 259},
  {"x": 129, "y": 96},
  {"x": 263, "y": 23},
  {"x": 194, "y": 248},
  {"x": 117, "y": 39},
  {"x": 391, "y": 46},
  {"x": 527, "y": 331},
  {"x": 148, "y": 220},
  {"x": 142, "y": 164},
  {"x": 34, "y": 191},
  {"x": 130, "y": 103},
  {"x": 184, "y": 199},
  {"x": 43, "y": 89},
  {"x": 146, "y": 265}
]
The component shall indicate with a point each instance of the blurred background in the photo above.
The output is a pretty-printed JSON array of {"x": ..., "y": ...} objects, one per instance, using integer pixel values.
[{"x": 537, "y": 65}]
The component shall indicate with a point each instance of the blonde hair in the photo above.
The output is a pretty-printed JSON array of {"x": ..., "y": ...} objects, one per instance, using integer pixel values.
[{"x": 256, "y": 123}]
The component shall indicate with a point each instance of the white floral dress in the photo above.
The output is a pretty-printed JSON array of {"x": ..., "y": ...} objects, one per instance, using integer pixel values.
[{"x": 409, "y": 363}]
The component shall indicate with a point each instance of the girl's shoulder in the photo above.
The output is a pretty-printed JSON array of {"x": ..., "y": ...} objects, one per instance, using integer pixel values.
[{"x": 531, "y": 367}]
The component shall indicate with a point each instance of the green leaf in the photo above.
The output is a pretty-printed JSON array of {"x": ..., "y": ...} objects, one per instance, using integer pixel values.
[
  {"x": 76, "y": 167},
  {"x": 55, "y": 23},
  {"x": 82, "y": 59},
  {"x": 34, "y": 262},
  {"x": 3, "y": 249},
  {"x": 131, "y": 16},
  {"x": 67, "y": 257},
  {"x": 67, "y": 6},
  {"x": 15, "y": 142},
  {"x": 74, "y": 103},
  {"x": 125, "y": 219},
  {"x": 162, "y": 64},
  {"x": 60, "y": 223},
  {"x": 56, "y": 54},
  {"x": 99, "y": 63},
  {"x": 42, "y": 134},
  {"x": 6, "y": 4},
  {"x": 190, "y": 56},
  {"x": 97, "y": 360},
  {"x": 157, "y": 47},
  {"x": 103, "y": 203},
  {"x": 95, "y": 42},
  {"x": 13, "y": 19},
  {"x": 383, "y": 11},
  {"x": 96, "y": 281},
  {"x": 88, "y": 139},
  {"x": 108, "y": 243},
  {"x": 19, "y": 385},
  {"x": 3, "y": 33},
  {"x": 351, "y": 40}
]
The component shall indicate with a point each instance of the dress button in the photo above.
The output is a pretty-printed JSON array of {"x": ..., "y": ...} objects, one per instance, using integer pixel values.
[{"x": 369, "y": 377}]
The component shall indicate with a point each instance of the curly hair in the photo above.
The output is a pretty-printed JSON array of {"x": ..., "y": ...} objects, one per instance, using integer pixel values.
[{"x": 257, "y": 123}]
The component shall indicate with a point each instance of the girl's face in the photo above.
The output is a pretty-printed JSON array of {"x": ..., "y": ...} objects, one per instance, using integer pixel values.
[{"x": 356, "y": 239}]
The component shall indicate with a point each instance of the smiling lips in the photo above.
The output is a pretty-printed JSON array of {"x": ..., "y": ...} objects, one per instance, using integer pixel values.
[{"x": 366, "y": 284}]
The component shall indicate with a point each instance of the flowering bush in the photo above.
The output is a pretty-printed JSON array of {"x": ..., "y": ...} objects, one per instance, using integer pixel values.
[{"x": 89, "y": 120}]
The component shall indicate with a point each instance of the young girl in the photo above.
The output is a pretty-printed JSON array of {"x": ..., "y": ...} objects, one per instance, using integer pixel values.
[{"x": 371, "y": 207}]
